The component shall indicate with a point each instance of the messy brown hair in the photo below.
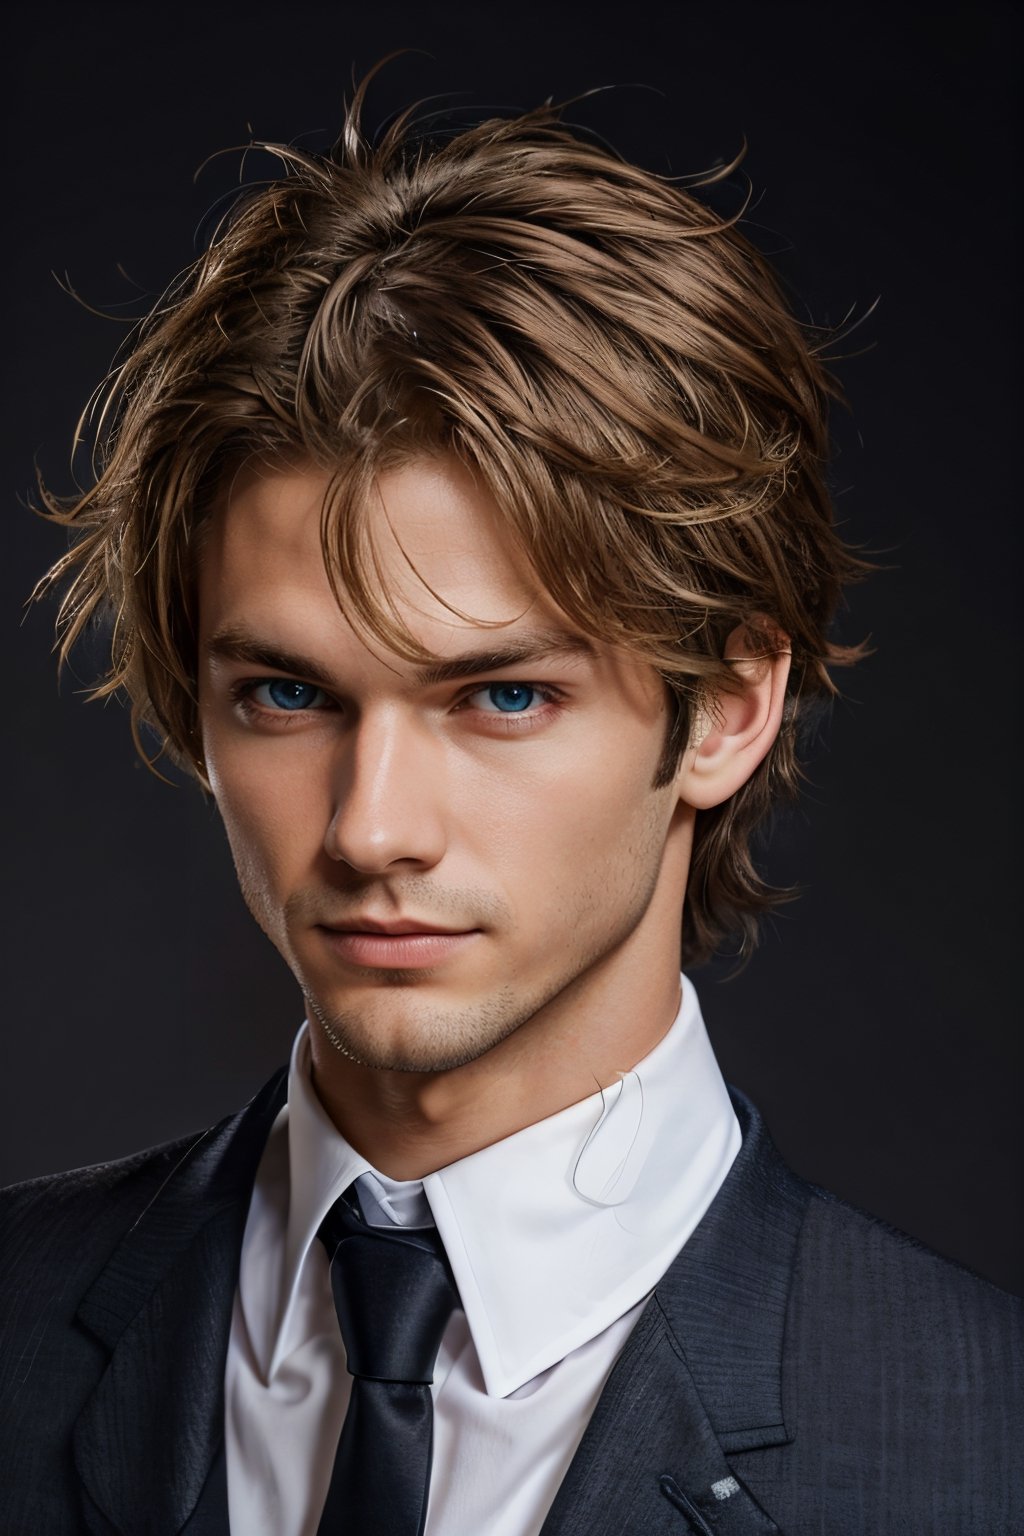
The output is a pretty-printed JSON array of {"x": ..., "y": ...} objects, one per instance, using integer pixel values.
[{"x": 614, "y": 361}]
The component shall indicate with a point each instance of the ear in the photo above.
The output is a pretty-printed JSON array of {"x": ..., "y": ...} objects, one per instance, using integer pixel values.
[{"x": 734, "y": 731}]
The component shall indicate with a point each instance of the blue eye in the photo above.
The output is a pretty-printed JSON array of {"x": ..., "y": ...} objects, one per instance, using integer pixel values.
[
  {"x": 510, "y": 698},
  {"x": 283, "y": 693}
]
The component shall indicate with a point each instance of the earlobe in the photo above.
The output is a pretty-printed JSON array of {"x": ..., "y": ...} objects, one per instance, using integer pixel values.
[{"x": 734, "y": 731}]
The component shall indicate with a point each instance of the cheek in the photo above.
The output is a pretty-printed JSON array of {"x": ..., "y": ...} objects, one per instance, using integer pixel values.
[
  {"x": 591, "y": 821},
  {"x": 274, "y": 818}
]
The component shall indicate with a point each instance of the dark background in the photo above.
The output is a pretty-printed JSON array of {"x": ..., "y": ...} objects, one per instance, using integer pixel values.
[{"x": 877, "y": 1027}]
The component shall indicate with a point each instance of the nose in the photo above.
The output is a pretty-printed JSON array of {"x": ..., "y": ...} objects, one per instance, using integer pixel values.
[{"x": 389, "y": 797}]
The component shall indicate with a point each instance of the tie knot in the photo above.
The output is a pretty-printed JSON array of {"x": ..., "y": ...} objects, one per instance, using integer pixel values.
[{"x": 393, "y": 1293}]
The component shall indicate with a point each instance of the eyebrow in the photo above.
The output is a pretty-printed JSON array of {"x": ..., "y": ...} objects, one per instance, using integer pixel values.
[
  {"x": 526, "y": 647},
  {"x": 237, "y": 644}
]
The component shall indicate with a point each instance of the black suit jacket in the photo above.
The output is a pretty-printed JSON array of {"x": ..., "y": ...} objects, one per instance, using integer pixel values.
[{"x": 800, "y": 1368}]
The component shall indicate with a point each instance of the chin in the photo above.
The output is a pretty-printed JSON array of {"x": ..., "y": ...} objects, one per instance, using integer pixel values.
[{"x": 431, "y": 1037}]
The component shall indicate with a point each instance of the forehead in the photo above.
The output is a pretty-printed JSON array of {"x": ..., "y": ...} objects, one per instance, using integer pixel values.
[{"x": 439, "y": 553}]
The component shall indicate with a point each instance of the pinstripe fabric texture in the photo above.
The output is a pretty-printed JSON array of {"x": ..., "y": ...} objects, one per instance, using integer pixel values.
[{"x": 801, "y": 1368}]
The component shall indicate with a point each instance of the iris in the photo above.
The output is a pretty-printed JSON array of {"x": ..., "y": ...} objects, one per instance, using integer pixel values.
[
  {"x": 290, "y": 695},
  {"x": 510, "y": 697}
]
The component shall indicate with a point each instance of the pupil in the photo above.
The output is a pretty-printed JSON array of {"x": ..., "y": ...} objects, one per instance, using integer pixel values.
[
  {"x": 292, "y": 695},
  {"x": 511, "y": 696}
]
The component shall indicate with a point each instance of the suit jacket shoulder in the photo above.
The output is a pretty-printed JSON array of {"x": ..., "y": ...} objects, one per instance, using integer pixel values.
[
  {"x": 56, "y": 1236},
  {"x": 84, "y": 1255},
  {"x": 804, "y": 1368},
  {"x": 877, "y": 1274},
  {"x": 899, "y": 1360},
  {"x": 58, "y": 1221}
]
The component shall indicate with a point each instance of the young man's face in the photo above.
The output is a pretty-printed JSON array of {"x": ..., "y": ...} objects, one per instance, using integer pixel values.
[{"x": 437, "y": 856}]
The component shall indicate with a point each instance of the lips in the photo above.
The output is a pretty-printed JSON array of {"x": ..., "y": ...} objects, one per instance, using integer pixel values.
[
  {"x": 395, "y": 944},
  {"x": 391, "y": 927}
]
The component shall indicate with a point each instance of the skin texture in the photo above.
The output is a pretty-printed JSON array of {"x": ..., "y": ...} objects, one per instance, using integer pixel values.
[{"x": 532, "y": 832}]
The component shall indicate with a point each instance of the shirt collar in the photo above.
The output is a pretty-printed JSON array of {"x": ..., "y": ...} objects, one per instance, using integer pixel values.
[{"x": 552, "y": 1233}]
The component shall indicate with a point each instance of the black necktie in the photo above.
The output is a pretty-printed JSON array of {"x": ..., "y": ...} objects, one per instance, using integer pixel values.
[{"x": 394, "y": 1293}]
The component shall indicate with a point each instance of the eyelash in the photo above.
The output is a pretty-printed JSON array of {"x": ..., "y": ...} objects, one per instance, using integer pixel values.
[
  {"x": 241, "y": 696},
  {"x": 551, "y": 698}
]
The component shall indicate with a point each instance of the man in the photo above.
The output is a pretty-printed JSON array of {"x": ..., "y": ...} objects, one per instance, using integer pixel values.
[{"x": 463, "y": 527}]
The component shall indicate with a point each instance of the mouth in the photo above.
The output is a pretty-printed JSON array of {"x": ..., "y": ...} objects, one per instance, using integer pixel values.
[
  {"x": 395, "y": 943},
  {"x": 395, "y": 927}
]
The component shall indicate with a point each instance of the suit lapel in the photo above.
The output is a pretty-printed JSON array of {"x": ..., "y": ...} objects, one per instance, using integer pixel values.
[
  {"x": 700, "y": 1376},
  {"x": 146, "y": 1440}
]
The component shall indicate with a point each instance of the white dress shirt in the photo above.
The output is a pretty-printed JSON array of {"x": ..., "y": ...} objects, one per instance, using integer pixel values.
[{"x": 556, "y": 1237}]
